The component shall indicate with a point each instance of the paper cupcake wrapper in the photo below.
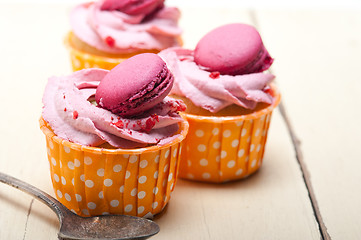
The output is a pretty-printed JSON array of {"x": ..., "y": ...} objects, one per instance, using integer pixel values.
[
  {"x": 222, "y": 149},
  {"x": 80, "y": 60},
  {"x": 94, "y": 181}
]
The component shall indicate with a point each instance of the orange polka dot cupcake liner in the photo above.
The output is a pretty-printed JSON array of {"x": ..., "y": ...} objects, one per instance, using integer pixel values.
[
  {"x": 80, "y": 60},
  {"x": 96, "y": 181},
  {"x": 223, "y": 149}
]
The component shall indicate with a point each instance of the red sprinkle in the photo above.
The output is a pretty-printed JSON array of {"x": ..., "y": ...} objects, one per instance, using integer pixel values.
[
  {"x": 111, "y": 118},
  {"x": 269, "y": 91},
  {"x": 64, "y": 109},
  {"x": 149, "y": 124},
  {"x": 75, "y": 115},
  {"x": 110, "y": 41},
  {"x": 119, "y": 124},
  {"x": 181, "y": 106},
  {"x": 214, "y": 75},
  {"x": 155, "y": 117}
]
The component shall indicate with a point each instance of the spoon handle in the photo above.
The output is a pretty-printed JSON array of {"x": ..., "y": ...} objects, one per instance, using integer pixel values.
[{"x": 54, "y": 204}]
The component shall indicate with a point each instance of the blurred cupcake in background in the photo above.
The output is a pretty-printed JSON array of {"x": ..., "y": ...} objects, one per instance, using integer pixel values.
[
  {"x": 229, "y": 98},
  {"x": 106, "y": 32}
]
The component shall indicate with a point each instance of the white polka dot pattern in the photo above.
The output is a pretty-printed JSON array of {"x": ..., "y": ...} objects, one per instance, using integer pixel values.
[
  {"x": 78, "y": 197},
  {"x": 219, "y": 150},
  {"x": 101, "y": 195},
  {"x": 114, "y": 203},
  {"x": 117, "y": 168},
  {"x": 56, "y": 178},
  {"x": 199, "y": 133},
  {"x": 143, "y": 163},
  {"x": 203, "y": 162},
  {"x": 202, "y": 148},
  {"x": 67, "y": 197},
  {"x": 88, "y": 160},
  {"x": 140, "y": 209},
  {"x": 92, "y": 205},
  {"x": 63, "y": 181},
  {"x": 66, "y": 149},
  {"x": 100, "y": 172},
  {"x": 85, "y": 212},
  {"x": 93, "y": 183},
  {"x": 108, "y": 182},
  {"x": 142, "y": 179}
]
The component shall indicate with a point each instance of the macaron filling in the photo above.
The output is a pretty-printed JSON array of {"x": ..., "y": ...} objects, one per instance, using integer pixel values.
[{"x": 155, "y": 90}]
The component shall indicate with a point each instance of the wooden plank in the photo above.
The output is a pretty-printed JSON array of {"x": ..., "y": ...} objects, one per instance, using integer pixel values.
[
  {"x": 13, "y": 213},
  {"x": 317, "y": 63}
]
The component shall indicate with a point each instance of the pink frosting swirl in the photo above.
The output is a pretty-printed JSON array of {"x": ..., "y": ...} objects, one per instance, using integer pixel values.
[
  {"x": 69, "y": 111},
  {"x": 113, "y": 31},
  {"x": 211, "y": 90}
]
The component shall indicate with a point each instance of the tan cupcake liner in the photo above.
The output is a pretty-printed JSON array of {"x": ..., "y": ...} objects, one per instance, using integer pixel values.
[
  {"x": 80, "y": 60},
  {"x": 94, "y": 181}
]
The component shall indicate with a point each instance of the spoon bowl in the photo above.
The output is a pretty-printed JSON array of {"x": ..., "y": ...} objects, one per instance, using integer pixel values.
[
  {"x": 106, "y": 227},
  {"x": 75, "y": 227}
]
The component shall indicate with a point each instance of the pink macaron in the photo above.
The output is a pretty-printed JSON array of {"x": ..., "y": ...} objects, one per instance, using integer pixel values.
[
  {"x": 135, "y": 85},
  {"x": 232, "y": 49}
]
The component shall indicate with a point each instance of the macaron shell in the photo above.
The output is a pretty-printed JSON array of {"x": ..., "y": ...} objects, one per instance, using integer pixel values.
[
  {"x": 132, "y": 7},
  {"x": 232, "y": 49},
  {"x": 135, "y": 85}
]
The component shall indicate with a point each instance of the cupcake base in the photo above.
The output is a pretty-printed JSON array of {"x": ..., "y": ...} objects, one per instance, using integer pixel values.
[
  {"x": 227, "y": 148},
  {"x": 94, "y": 181},
  {"x": 84, "y": 56}
]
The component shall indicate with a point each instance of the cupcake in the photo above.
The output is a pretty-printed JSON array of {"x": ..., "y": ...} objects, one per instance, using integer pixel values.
[
  {"x": 106, "y": 32},
  {"x": 114, "y": 137},
  {"x": 229, "y": 98}
]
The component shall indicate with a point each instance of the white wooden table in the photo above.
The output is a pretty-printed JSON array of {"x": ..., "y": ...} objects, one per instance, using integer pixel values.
[{"x": 309, "y": 184}]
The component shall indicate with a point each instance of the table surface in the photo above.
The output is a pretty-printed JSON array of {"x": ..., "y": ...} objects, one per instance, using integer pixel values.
[{"x": 309, "y": 184}]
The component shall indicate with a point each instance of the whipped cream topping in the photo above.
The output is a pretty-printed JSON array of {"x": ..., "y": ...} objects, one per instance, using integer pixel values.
[
  {"x": 73, "y": 116},
  {"x": 113, "y": 31},
  {"x": 211, "y": 90}
]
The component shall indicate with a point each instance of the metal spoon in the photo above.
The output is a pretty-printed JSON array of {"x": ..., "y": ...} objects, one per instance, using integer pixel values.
[{"x": 74, "y": 227}]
